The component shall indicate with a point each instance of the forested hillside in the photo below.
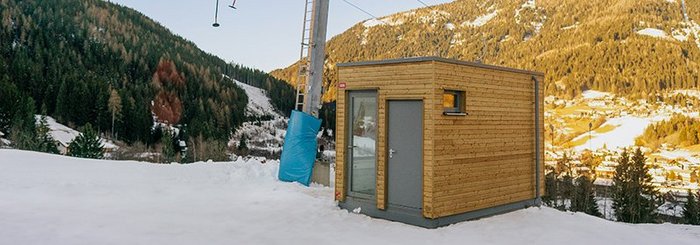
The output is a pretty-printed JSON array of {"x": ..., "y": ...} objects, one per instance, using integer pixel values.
[
  {"x": 83, "y": 61},
  {"x": 629, "y": 47}
]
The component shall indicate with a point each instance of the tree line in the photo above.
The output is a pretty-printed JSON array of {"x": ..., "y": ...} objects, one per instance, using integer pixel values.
[
  {"x": 95, "y": 62},
  {"x": 680, "y": 130}
]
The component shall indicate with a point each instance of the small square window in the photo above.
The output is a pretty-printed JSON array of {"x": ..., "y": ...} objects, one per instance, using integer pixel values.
[{"x": 453, "y": 103}]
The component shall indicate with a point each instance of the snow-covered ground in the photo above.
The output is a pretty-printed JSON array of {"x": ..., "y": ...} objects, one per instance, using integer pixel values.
[
  {"x": 50, "y": 199},
  {"x": 627, "y": 128}
]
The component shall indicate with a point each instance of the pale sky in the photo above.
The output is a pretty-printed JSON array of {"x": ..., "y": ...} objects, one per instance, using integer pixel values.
[{"x": 263, "y": 34}]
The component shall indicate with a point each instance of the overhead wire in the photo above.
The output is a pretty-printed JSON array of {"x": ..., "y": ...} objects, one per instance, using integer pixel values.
[
  {"x": 449, "y": 20},
  {"x": 430, "y": 35},
  {"x": 424, "y": 4},
  {"x": 362, "y": 10}
]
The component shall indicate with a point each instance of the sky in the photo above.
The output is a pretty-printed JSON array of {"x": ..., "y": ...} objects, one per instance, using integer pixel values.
[{"x": 263, "y": 34}]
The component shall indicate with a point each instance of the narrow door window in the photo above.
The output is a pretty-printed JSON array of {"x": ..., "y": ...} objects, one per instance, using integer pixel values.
[{"x": 363, "y": 131}]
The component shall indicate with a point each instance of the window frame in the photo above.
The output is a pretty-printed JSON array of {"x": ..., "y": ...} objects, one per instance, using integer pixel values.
[{"x": 460, "y": 98}]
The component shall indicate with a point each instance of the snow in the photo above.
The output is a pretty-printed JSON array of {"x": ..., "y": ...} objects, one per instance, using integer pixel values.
[
  {"x": 389, "y": 20},
  {"x": 433, "y": 16},
  {"x": 653, "y": 32},
  {"x": 64, "y": 135},
  {"x": 529, "y": 4},
  {"x": 481, "y": 20},
  {"x": 60, "y": 200},
  {"x": 258, "y": 102},
  {"x": 265, "y": 136},
  {"x": 537, "y": 23},
  {"x": 593, "y": 94},
  {"x": 627, "y": 129},
  {"x": 574, "y": 26},
  {"x": 372, "y": 23}
]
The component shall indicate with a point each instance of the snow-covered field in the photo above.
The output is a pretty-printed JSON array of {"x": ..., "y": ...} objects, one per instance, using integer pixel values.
[
  {"x": 50, "y": 199},
  {"x": 627, "y": 129}
]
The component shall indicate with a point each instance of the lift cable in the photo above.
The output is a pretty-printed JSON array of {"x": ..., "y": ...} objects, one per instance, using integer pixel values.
[
  {"x": 449, "y": 19},
  {"x": 364, "y": 11},
  {"x": 424, "y": 4}
]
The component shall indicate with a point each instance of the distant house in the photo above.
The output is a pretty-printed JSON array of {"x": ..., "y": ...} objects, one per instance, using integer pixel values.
[
  {"x": 64, "y": 135},
  {"x": 3, "y": 141}
]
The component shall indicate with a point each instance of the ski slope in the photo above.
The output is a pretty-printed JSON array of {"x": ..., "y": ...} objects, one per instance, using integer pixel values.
[
  {"x": 258, "y": 102},
  {"x": 627, "y": 128},
  {"x": 51, "y": 199}
]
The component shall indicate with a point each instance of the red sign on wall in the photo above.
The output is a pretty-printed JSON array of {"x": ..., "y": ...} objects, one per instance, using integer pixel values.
[{"x": 342, "y": 85}]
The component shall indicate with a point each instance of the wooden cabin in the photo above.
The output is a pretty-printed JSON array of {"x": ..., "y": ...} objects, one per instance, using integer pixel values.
[{"x": 431, "y": 141}]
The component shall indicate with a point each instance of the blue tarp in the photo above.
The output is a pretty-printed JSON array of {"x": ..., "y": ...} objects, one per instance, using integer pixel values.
[{"x": 299, "y": 152}]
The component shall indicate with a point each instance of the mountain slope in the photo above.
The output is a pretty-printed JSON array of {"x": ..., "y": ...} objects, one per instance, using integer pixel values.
[
  {"x": 629, "y": 47},
  {"x": 68, "y": 59}
]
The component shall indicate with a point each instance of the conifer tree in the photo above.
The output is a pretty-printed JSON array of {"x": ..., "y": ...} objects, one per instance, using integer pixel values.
[
  {"x": 584, "y": 197},
  {"x": 87, "y": 144},
  {"x": 243, "y": 145},
  {"x": 23, "y": 131},
  {"x": 550, "y": 189},
  {"x": 114, "y": 106},
  {"x": 634, "y": 198},
  {"x": 621, "y": 190},
  {"x": 691, "y": 211},
  {"x": 45, "y": 143},
  {"x": 168, "y": 150}
]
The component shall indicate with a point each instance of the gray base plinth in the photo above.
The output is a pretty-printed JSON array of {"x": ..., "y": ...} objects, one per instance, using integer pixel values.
[{"x": 415, "y": 217}]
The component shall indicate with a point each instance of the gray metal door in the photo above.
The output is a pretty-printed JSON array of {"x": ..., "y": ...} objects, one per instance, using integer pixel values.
[{"x": 405, "y": 154}]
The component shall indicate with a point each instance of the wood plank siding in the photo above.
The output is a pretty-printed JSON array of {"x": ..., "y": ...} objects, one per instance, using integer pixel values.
[{"x": 481, "y": 160}]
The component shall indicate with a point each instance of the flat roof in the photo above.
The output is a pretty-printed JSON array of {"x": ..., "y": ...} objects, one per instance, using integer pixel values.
[{"x": 438, "y": 59}]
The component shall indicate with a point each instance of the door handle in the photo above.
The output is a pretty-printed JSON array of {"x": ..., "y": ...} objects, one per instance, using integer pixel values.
[{"x": 391, "y": 153}]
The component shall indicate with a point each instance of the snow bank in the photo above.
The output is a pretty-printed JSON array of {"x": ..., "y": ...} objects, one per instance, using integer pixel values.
[{"x": 60, "y": 200}]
